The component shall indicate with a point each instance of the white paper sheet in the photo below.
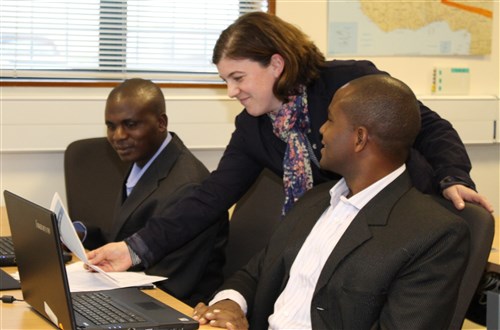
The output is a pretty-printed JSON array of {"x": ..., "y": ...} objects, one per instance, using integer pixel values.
[
  {"x": 80, "y": 279},
  {"x": 69, "y": 235},
  {"x": 70, "y": 238}
]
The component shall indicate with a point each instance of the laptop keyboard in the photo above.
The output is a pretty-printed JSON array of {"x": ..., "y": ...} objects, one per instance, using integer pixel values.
[
  {"x": 101, "y": 309},
  {"x": 6, "y": 246}
]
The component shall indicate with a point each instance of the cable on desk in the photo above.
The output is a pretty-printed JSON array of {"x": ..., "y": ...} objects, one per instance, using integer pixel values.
[{"x": 10, "y": 299}]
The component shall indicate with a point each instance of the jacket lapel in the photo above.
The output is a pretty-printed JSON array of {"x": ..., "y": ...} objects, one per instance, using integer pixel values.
[
  {"x": 146, "y": 186},
  {"x": 375, "y": 213}
]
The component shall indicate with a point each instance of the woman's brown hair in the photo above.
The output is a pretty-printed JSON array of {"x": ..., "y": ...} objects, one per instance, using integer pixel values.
[{"x": 258, "y": 36}]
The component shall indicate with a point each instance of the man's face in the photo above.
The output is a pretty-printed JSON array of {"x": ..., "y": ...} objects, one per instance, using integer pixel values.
[
  {"x": 134, "y": 131},
  {"x": 338, "y": 139}
]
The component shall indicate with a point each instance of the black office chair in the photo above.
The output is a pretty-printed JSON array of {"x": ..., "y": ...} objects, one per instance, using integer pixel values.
[
  {"x": 481, "y": 226},
  {"x": 253, "y": 221},
  {"x": 93, "y": 175}
]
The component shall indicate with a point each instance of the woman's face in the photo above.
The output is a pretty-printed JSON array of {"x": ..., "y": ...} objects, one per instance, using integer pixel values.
[{"x": 251, "y": 83}]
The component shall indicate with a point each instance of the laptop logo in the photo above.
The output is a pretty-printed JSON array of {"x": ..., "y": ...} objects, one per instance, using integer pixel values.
[{"x": 41, "y": 227}]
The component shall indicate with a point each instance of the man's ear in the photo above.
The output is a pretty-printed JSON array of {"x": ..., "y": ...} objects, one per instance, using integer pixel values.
[
  {"x": 361, "y": 136},
  {"x": 277, "y": 63},
  {"x": 163, "y": 121}
]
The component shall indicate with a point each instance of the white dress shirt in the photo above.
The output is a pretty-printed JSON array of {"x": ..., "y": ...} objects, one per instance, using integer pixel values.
[{"x": 292, "y": 309}]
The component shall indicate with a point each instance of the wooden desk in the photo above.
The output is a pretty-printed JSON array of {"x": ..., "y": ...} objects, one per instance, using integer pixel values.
[{"x": 19, "y": 315}]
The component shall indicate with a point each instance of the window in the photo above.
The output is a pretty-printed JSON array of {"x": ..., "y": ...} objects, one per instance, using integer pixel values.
[{"x": 167, "y": 40}]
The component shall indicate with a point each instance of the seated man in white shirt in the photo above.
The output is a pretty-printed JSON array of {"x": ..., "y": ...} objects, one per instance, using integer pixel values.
[{"x": 371, "y": 252}]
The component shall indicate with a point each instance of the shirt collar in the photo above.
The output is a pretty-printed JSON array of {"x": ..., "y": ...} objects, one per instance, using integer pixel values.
[
  {"x": 136, "y": 172},
  {"x": 160, "y": 149},
  {"x": 359, "y": 200}
]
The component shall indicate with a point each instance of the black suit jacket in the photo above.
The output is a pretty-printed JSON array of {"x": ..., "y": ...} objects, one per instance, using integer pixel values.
[
  {"x": 253, "y": 147},
  {"x": 194, "y": 269},
  {"x": 398, "y": 265}
]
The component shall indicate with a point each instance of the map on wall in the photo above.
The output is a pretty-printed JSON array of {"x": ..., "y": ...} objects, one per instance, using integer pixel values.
[{"x": 404, "y": 27}]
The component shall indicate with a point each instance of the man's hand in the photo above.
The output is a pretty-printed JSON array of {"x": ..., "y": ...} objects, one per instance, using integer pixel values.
[
  {"x": 112, "y": 257},
  {"x": 223, "y": 314},
  {"x": 459, "y": 193}
]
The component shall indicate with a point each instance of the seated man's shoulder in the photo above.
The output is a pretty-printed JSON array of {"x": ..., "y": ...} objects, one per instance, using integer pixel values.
[{"x": 428, "y": 211}]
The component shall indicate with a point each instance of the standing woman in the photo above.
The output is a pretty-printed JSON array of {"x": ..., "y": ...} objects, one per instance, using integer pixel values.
[
  {"x": 260, "y": 53},
  {"x": 285, "y": 85}
]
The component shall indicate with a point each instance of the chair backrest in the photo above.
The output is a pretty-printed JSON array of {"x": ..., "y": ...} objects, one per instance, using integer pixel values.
[
  {"x": 253, "y": 221},
  {"x": 93, "y": 175},
  {"x": 481, "y": 226}
]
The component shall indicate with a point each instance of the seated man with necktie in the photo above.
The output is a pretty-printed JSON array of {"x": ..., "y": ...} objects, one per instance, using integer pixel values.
[
  {"x": 163, "y": 171},
  {"x": 367, "y": 252}
]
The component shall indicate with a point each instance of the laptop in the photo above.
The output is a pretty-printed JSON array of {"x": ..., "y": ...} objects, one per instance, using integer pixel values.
[
  {"x": 8, "y": 256},
  {"x": 45, "y": 287},
  {"x": 7, "y": 282}
]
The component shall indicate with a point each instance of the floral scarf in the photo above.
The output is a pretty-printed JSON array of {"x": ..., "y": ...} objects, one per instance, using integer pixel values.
[{"x": 291, "y": 124}]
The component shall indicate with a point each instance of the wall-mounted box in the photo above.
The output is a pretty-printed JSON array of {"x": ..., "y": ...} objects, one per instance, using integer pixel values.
[{"x": 476, "y": 118}]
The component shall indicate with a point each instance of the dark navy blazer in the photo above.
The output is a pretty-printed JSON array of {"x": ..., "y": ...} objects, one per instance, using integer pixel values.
[{"x": 253, "y": 146}]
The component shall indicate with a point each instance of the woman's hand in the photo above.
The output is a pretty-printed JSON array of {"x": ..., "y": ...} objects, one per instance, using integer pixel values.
[
  {"x": 459, "y": 193},
  {"x": 112, "y": 257}
]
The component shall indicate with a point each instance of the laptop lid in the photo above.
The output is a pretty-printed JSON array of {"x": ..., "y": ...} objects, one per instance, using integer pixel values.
[
  {"x": 39, "y": 260},
  {"x": 44, "y": 280}
]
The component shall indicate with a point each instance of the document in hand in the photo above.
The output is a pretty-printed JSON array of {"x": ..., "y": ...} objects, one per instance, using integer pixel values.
[
  {"x": 70, "y": 238},
  {"x": 68, "y": 233}
]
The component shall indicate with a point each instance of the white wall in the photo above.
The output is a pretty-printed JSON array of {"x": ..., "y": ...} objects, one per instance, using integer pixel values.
[{"x": 37, "y": 123}]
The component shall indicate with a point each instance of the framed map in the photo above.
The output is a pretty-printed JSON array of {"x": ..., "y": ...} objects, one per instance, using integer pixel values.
[{"x": 409, "y": 27}]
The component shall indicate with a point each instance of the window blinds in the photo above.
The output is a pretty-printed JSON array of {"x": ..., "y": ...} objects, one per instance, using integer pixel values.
[{"x": 169, "y": 40}]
